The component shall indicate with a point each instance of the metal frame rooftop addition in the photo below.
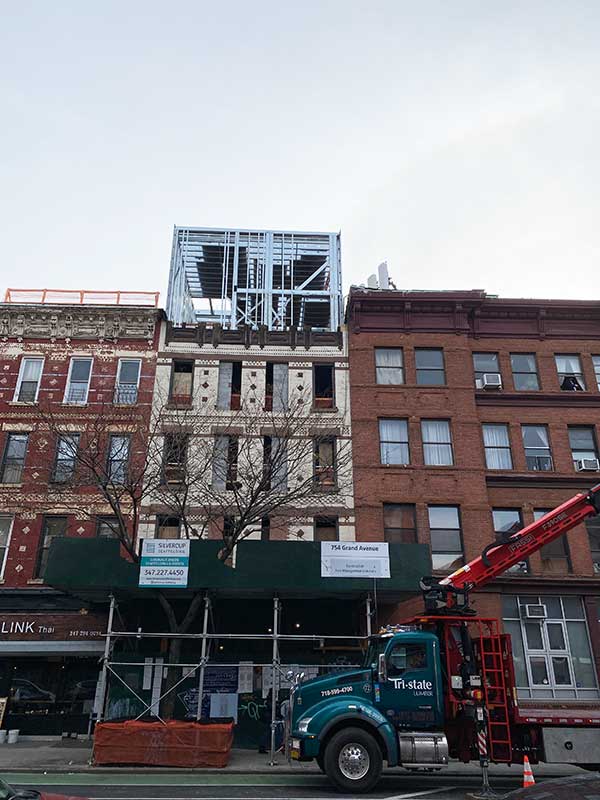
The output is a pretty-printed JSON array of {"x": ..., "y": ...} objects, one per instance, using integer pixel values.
[{"x": 276, "y": 279}]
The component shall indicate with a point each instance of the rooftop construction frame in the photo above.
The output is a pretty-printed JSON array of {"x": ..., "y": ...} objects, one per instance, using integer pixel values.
[{"x": 275, "y": 279}]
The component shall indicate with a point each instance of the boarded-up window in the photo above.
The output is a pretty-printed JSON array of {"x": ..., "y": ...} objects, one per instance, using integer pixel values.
[
  {"x": 167, "y": 527},
  {"x": 326, "y": 529},
  {"x": 182, "y": 380},
  {"x": 324, "y": 463}
]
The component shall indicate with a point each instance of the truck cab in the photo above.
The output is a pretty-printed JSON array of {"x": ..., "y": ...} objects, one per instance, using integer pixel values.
[{"x": 392, "y": 709}]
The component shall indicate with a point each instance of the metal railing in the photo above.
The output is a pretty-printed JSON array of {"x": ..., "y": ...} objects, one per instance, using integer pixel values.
[
  {"x": 126, "y": 394},
  {"x": 82, "y": 297}
]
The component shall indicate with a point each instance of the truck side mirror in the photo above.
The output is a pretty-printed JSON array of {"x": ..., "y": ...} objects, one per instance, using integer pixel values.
[{"x": 381, "y": 667}]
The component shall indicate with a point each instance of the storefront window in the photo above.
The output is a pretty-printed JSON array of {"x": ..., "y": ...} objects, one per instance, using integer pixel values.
[
  {"x": 51, "y": 695},
  {"x": 551, "y": 647}
]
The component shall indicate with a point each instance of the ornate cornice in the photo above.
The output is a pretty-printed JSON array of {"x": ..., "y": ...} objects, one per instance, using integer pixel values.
[
  {"x": 473, "y": 313},
  {"x": 77, "y": 322}
]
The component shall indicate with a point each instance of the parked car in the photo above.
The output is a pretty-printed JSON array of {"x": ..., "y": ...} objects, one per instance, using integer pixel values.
[
  {"x": 8, "y": 792},
  {"x": 82, "y": 690},
  {"x": 24, "y": 690}
]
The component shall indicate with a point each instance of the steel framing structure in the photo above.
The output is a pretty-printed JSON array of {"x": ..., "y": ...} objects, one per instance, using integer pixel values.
[
  {"x": 235, "y": 277},
  {"x": 153, "y": 706}
]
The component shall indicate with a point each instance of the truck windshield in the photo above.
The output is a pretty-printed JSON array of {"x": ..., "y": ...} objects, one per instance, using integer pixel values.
[{"x": 376, "y": 646}]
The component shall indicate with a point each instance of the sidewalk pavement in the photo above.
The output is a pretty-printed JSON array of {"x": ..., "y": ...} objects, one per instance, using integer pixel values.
[{"x": 58, "y": 756}]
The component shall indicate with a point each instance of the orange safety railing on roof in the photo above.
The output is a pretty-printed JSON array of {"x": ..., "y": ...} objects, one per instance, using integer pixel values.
[{"x": 81, "y": 297}]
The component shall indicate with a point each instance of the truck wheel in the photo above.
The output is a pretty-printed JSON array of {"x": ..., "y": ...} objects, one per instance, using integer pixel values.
[{"x": 353, "y": 760}]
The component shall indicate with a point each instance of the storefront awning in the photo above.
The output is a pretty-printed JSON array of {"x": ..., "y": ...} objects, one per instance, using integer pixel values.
[
  {"x": 51, "y": 648},
  {"x": 93, "y": 567}
]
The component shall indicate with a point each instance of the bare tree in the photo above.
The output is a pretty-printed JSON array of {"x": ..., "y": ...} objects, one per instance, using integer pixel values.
[{"x": 215, "y": 473}]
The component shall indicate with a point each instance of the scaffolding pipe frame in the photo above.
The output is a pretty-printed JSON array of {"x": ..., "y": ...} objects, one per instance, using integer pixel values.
[{"x": 111, "y": 636}]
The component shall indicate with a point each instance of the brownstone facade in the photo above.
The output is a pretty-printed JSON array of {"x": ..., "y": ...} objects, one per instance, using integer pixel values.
[{"x": 440, "y": 415}]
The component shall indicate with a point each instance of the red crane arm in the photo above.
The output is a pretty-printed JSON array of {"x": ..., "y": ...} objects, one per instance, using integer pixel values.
[
  {"x": 501, "y": 555},
  {"x": 451, "y": 594}
]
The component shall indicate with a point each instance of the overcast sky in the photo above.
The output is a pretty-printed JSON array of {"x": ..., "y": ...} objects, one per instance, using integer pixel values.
[{"x": 457, "y": 140}]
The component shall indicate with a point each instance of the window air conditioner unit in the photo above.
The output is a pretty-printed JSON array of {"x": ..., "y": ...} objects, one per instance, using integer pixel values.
[
  {"x": 534, "y": 611},
  {"x": 492, "y": 380},
  {"x": 587, "y": 465}
]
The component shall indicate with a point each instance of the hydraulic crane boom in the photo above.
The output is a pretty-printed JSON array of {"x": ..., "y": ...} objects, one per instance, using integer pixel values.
[{"x": 451, "y": 595}]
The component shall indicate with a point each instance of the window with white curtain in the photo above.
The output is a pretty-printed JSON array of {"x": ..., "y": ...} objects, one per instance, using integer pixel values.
[
  {"x": 393, "y": 441},
  {"x": 437, "y": 442},
  {"x": 389, "y": 365},
  {"x": 497, "y": 446},
  {"x": 537, "y": 447},
  {"x": 28, "y": 383},
  {"x": 570, "y": 375}
]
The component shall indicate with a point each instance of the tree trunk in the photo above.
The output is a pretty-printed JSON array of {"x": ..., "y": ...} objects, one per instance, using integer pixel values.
[{"x": 167, "y": 706}]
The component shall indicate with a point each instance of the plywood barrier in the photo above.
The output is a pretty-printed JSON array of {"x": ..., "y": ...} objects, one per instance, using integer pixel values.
[{"x": 176, "y": 744}]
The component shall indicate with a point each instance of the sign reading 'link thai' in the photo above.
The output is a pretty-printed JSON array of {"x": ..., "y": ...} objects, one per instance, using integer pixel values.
[
  {"x": 355, "y": 560},
  {"x": 165, "y": 563}
]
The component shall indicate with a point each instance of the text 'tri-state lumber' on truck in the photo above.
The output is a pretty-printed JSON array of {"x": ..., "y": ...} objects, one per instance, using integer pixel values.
[{"x": 442, "y": 686}]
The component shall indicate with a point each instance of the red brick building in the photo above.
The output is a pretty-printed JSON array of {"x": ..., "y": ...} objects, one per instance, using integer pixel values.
[
  {"x": 471, "y": 415},
  {"x": 65, "y": 364}
]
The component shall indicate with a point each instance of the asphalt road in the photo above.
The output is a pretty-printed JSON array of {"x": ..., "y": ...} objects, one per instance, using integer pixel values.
[{"x": 256, "y": 787}]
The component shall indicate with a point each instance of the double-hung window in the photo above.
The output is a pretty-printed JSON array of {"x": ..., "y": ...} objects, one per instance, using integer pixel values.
[
  {"x": 128, "y": 379},
  {"x": 66, "y": 457},
  {"x": 175, "y": 453},
  {"x": 78, "y": 381},
  {"x": 570, "y": 374},
  {"x": 596, "y": 363},
  {"x": 52, "y": 528},
  {"x": 389, "y": 365},
  {"x": 13, "y": 460},
  {"x": 28, "y": 383},
  {"x": 399, "y": 523},
  {"x": 484, "y": 364},
  {"x": 537, "y": 448},
  {"x": 497, "y": 446},
  {"x": 6, "y": 523},
  {"x": 506, "y": 522},
  {"x": 524, "y": 370},
  {"x": 430, "y": 366},
  {"x": 107, "y": 528},
  {"x": 437, "y": 442},
  {"x": 118, "y": 458},
  {"x": 393, "y": 441},
  {"x": 446, "y": 538},
  {"x": 555, "y": 555},
  {"x": 583, "y": 444},
  {"x": 593, "y": 528}
]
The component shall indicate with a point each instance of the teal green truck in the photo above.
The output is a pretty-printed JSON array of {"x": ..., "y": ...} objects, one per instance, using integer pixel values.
[
  {"x": 392, "y": 709},
  {"x": 443, "y": 689}
]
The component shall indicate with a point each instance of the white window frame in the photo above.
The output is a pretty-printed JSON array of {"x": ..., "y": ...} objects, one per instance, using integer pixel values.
[
  {"x": 552, "y": 691},
  {"x": 20, "y": 378},
  {"x": 87, "y": 391},
  {"x": 10, "y": 531},
  {"x": 118, "y": 382}
]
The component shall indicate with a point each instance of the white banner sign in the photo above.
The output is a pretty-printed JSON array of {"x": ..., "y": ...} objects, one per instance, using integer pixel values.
[
  {"x": 355, "y": 560},
  {"x": 165, "y": 563}
]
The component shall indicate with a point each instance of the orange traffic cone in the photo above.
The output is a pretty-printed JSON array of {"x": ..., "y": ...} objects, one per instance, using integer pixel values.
[{"x": 528, "y": 779}]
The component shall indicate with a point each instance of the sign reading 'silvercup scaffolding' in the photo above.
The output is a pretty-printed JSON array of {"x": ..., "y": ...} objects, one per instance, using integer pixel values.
[
  {"x": 355, "y": 560},
  {"x": 165, "y": 563}
]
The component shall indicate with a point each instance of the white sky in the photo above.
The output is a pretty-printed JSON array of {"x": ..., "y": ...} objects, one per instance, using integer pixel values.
[{"x": 458, "y": 140}]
